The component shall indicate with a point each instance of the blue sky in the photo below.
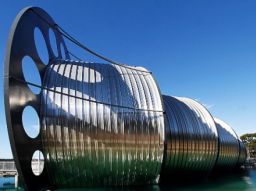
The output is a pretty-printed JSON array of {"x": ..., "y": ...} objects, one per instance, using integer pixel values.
[{"x": 205, "y": 50}]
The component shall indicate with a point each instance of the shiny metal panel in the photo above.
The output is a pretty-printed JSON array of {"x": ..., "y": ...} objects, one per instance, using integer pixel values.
[
  {"x": 234, "y": 154},
  {"x": 228, "y": 145},
  {"x": 103, "y": 125},
  {"x": 88, "y": 142},
  {"x": 191, "y": 138}
]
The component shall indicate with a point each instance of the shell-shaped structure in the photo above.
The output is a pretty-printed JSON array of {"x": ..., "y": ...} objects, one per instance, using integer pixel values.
[
  {"x": 232, "y": 151},
  {"x": 191, "y": 137},
  {"x": 102, "y": 124}
]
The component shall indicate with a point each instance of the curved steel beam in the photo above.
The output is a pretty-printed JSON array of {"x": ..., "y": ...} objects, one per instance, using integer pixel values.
[{"x": 17, "y": 95}]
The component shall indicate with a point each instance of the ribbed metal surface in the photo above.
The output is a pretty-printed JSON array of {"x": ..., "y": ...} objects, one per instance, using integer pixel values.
[
  {"x": 242, "y": 153},
  {"x": 100, "y": 124},
  {"x": 191, "y": 137},
  {"x": 88, "y": 143},
  {"x": 228, "y": 145}
]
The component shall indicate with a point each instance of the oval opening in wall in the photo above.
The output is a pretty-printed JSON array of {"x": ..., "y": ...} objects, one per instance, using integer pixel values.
[
  {"x": 37, "y": 163},
  {"x": 41, "y": 47},
  {"x": 30, "y": 121},
  {"x": 31, "y": 74},
  {"x": 53, "y": 42}
]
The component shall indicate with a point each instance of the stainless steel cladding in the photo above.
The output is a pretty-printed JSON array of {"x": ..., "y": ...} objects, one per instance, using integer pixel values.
[
  {"x": 101, "y": 125},
  {"x": 242, "y": 153},
  {"x": 232, "y": 151},
  {"x": 191, "y": 138},
  {"x": 228, "y": 145}
]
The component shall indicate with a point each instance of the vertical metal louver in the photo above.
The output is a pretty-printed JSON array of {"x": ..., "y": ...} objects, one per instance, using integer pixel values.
[
  {"x": 228, "y": 145},
  {"x": 101, "y": 125},
  {"x": 191, "y": 138}
]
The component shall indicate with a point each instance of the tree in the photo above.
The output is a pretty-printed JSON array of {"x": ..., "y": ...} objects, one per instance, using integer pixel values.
[{"x": 249, "y": 140}]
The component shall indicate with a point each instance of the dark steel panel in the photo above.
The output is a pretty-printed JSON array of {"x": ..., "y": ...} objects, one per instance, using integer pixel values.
[
  {"x": 17, "y": 94},
  {"x": 242, "y": 153}
]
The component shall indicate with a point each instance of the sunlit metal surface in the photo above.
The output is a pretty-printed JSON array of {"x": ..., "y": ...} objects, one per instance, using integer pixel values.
[
  {"x": 191, "y": 138},
  {"x": 88, "y": 143},
  {"x": 101, "y": 124},
  {"x": 228, "y": 145}
]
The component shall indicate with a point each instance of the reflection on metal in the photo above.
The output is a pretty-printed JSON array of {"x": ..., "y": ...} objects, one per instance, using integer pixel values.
[
  {"x": 231, "y": 150},
  {"x": 88, "y": 143},
  {"x": 191, "y": 138},
  {"x": 195, "y": 142},
  {"x": 102, "y": 124}
]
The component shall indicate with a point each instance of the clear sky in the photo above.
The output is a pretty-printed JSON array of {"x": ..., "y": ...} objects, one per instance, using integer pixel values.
[{"x": 205, "y": 50}]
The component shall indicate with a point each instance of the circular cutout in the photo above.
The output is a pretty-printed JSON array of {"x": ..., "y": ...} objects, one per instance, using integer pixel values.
[
  {"x": 30, "y": 121},
  {"x": 31, "y": 74},
  {"x": 53, "y": 41},
  {"x": 37, "y": 163},
  {"x": 41, "y": 47}
]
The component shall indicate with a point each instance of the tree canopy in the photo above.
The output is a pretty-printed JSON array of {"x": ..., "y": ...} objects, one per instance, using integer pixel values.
[{"x": 249, "y": 140}]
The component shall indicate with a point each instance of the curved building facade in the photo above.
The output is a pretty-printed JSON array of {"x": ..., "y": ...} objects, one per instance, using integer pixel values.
[
  {"x": 197, "y": 143},
  {"x": 191, "y": 138},
  {"x": 102, "y": 124},
  {"x": 232, "y": 151}
]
